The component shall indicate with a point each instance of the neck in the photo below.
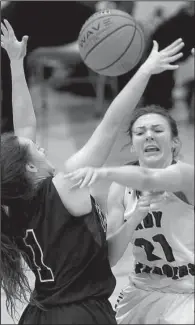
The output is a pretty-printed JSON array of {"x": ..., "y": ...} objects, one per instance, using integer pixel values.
[{"x": 158, "y": 164}]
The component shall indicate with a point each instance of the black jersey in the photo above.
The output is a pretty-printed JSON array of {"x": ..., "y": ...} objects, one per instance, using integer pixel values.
[{"x": 68, "y": 255}]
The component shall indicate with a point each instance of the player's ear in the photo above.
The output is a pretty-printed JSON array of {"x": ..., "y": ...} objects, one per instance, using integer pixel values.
[
  {"x": 176, "y": 146},
  {"x": 31, "y": 168}
]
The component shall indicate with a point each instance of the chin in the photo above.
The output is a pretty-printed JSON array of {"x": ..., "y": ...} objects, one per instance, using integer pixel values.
[{"x": 153, "y": 162}]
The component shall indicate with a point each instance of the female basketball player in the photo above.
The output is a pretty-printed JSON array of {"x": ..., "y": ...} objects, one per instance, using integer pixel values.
[
  {"x": 60, "y": 231},
  {"x": 159, "y": 225}
]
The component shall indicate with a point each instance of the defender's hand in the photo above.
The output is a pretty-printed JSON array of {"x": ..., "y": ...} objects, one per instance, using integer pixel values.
[{"x": 16, "y": 50}]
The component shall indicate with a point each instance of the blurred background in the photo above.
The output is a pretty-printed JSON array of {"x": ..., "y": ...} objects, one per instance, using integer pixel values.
[{"x": 70, "y": 100}]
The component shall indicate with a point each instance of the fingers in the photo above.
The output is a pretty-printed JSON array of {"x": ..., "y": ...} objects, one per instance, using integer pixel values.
[
  {"x": 144, "y": 210},
  {"x": 173, "y": 58},
  {"x": 9, "y": 27},
  {"x": 76, "y": 185},
  {"x": 86, "y": 180},
  {"x": 146, "y": 201},
  {"x": 82, "y": 177},
  {"x": 155, "y": 46},
  {"x": 170, "y": 67},
  {"x": 2, "y": 40},
  {"x": 154, "y": 206},
  {"x": 4, "y": 30},
  {"x": 173, "y": 50},
  {"x": 74, "y": 176},
  {"x": 143, "y": 202},
  {"x": 69, "y": 175},
  {"x": 93, "y": 179},
  {"x": 172, "y": 45},
  {"x": 25, "y": 39}
]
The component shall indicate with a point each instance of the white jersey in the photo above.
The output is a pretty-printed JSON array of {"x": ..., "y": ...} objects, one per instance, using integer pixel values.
[{"x": 163, "y": 245}]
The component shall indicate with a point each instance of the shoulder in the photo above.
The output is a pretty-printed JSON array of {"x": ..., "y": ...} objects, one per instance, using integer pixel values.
[
  {"x": 47, "y": 196},
  {"x": 182, "y": 167},
  {"x": 77, "y": 201},
  {"x": 186, "y": 172}
]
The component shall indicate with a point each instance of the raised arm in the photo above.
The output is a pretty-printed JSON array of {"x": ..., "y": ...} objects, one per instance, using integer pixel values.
[
  {"x": 23, "y": 112},
  {"x": 96, "y": 150}
]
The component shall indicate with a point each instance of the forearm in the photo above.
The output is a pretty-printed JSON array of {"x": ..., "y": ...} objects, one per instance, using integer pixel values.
[
  {"x": 23, "y": 111},
  {"x": 98, "y": 148},
  {"x": 126, "y": 101},
  {"x": 119, "y": 241},
  {"x": 131, "y": 176}
]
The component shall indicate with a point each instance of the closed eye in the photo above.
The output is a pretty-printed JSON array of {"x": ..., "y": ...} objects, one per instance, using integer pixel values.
[{"x": 40, "y": 149}]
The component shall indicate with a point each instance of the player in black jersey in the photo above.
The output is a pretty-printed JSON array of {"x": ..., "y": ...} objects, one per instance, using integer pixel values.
[{"x": 60, "y": 231}]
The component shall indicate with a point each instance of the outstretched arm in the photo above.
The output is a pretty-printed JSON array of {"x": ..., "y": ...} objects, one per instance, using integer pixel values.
[
  {"x": 97, "y": 149},
  {"x": 23, "y": 112},
  {"x": 174, "y": 178}
]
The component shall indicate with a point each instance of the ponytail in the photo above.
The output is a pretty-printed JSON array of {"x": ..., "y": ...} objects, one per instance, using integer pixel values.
[
  {"x": 16, "y": 189},
  {"x": 14, "y": 281}
]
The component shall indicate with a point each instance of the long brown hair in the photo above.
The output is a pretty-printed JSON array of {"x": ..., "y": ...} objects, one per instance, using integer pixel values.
[{"x": 15, "y": 188}]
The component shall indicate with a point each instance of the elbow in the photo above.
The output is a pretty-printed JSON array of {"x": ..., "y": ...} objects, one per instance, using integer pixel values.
[{"x": 113, "y": 261}]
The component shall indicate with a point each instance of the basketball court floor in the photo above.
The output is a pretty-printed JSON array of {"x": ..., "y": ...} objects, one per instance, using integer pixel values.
[{"x": 71, "y": 122}]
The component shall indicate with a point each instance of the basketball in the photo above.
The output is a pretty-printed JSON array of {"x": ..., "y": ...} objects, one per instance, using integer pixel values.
[{"x": 111, "y": 43}]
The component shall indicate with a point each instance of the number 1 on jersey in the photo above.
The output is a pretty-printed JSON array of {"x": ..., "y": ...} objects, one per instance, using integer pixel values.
[{"x": 45, "y": 273}]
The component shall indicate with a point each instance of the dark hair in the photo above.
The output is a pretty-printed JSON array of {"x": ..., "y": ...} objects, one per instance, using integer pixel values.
[
  {"x": 15, "y": 187},
  {"x": 154, "y": 109},
  {"x": 15, "y": 183}
]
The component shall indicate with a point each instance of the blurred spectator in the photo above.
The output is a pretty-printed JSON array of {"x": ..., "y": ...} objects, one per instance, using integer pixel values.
[
  {"x": 152, "y": 22},
  {"x": 48, "y": 23},
  {"x": 160, "y": 87},
  {"x": 127, "y": 6},
  {"x": 101, "y": 5},
  {"x": 59, "y": 74}
]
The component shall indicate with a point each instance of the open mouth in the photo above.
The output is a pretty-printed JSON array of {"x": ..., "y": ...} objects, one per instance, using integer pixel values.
[{"x": 151, "y": 149}]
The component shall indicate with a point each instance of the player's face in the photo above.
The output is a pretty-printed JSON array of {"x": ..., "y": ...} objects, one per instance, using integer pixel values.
[
  {"x": 152, "y": 140},
  {"x": 38, "y": 159}
]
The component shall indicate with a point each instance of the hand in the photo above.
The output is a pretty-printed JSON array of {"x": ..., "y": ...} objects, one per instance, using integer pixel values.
[
  {"x": 158, "y": 62},
  {"x": 16, "y": 50},
  {"x": 157, "y": 199},
  {"x": 192, "y": 51},
  {"x": 85, "y": 176},
  {"x": 145, "y": 204}
]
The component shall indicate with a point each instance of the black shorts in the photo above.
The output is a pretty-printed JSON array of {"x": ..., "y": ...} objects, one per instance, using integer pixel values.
[{"x": 92, "y": 311}]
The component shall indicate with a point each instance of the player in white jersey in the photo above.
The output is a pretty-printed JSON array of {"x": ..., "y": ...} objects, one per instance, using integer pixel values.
[{"x": 159, "y": 225}]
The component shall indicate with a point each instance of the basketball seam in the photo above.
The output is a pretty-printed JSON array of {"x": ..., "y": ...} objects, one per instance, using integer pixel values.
[
  {"x": 106, "y": 37},
  {"x": 121, "y": 54},
  {"x": 138, "y": 29},
  {"x": 141, "y": 34},
  {"x": 84, "y": 27}
]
